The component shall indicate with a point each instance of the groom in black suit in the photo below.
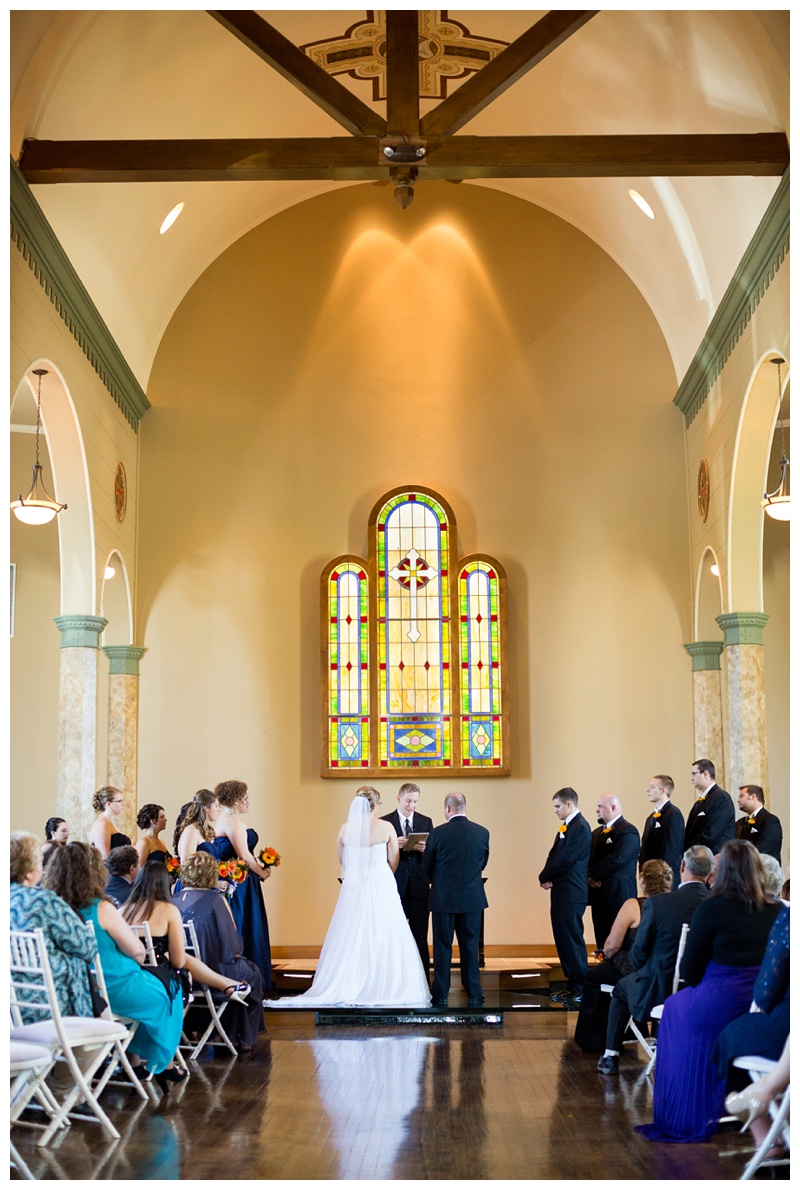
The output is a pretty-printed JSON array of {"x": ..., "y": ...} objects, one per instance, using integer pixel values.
[
  {"x": 456, "y": 854},
  {"x": 411, "y": 885}
]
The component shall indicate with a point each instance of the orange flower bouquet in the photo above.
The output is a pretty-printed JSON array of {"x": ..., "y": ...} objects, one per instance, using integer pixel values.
[
  {"x": 233, "y": 872},
  {"x": 269, "y": 858},
  {"x": 173, "y": 865}
]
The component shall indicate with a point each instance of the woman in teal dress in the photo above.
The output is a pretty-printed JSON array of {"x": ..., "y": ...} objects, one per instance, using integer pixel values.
[{"x": 76, "y": 874}]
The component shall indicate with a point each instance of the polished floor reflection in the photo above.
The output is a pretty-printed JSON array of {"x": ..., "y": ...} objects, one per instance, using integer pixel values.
[{"x": 462, "y": 1102}]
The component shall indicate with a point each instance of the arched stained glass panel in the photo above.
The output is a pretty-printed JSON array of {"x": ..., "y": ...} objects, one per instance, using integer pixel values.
[
  {"x": 480, "y": 665},
  {"x": 348, "y": 734},
  {"x": 413, "y": 634}
]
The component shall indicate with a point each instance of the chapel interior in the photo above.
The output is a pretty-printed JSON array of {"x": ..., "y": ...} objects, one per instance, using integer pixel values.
[{"x": 225, "y": 403}]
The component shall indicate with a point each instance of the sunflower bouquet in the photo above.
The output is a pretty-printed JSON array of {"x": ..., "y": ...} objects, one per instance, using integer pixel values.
[
  {"x": 233, "y": 872},
  {"x": 269, "y": 858},
  {"x": 173, "y": 866}
]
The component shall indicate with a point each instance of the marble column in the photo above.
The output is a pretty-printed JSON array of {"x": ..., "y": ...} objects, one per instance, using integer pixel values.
[
  {"x": 747, "y": 711},
  {"x": 77, "y": 720},
  {"x": 707, "y": 698},
  {"x": 123, "y": 727}
]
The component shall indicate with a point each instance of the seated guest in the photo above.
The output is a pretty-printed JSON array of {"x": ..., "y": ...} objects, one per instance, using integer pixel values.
[
  {"x": 774, "y": 878},
  {"x": 758, "y": 826},
  {"x": 752, "y": 1105},
  {"x": 220, "y": 945},
  {"x": 726, "y": 945},
  {"x": 56, "y": 834},
  {"x": 77, "y": 875},
  {"x": 655, "y": 877},
  {"x": 196, "y": 825},
  {"x": 150, "y": 902},
  {"x": 763, "y": 1030},
  {"x": 122, "y": 865},
  {"x": 69, "y": 944},
  {"x": 151, "y": 821},
  {"x": 785, "y": 892},
  {"x": 654, "y": 953}
]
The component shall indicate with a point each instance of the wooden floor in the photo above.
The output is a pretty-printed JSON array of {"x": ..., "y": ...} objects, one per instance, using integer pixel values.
[{"x": 520, "y": 1101}]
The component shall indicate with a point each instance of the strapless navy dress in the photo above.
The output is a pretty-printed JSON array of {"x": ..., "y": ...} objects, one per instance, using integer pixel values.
[{"x": 247, "y": 906}]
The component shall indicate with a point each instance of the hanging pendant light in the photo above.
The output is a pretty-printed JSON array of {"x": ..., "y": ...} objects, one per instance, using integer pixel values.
[
  {"x": 38, "y": 507},
  {"x": 777, "y": 504}
]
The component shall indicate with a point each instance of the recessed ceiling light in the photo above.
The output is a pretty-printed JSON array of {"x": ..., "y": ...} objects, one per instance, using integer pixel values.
[
  {"x": 109, "y": 572},
  {"x": 170, "y": 219},
  {"x": 642, "y": 204}
]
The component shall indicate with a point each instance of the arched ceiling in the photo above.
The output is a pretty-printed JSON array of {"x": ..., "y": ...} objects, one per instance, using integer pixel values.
[{"x": 181, "y": 75}]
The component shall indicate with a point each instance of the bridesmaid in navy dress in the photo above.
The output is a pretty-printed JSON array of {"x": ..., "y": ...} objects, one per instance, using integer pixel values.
[
  {"x": 235, "y": 839},
  {"x": 108, "y": 804}
]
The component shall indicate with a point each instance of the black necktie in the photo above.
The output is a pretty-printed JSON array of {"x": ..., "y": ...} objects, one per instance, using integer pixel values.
[{"x": 408, "y": 827}]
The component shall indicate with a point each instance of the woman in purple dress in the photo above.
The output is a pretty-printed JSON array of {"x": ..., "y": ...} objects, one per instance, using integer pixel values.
[{"x": 726, "y": 944}]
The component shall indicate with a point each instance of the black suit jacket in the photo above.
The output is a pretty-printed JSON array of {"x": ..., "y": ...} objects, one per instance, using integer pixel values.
[
  {"x": 118, "y": 889},
  {"x": 612, "y": 861},
  {"x": 409, "y": 868},
  {"x": 567, "y": 863},
  {"x": 766, "y": 834},
  {"x": 656, "y": 947},
  {"x": 711, "y": 822},
  {"x": 662, "y": 838},
  {"x": 456, "y": 854}
]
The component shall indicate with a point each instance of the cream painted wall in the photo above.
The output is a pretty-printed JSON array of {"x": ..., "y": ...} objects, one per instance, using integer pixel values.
[{"x": 474, "y": 344}]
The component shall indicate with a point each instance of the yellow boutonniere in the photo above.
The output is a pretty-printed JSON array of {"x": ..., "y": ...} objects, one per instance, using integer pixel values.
[
  {"x": 656, "y": 813},
  {"x": 751, "y": 822},
  {"x": 606, "y": 830},
  {"x": 702, "y": 798},
  {"x": 562, "y": 830}
]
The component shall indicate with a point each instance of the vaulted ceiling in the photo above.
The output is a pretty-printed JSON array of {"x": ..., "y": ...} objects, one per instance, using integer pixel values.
[{"x": 187, "y": 78}]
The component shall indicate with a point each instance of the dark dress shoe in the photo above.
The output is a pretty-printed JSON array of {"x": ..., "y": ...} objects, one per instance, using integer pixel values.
[
  {"x": 439, "y": 1004},
  {"x": 571, "y": 1001},
  {"x": 608, "y": 1065},
  {"x": 476, "y": 1003}
]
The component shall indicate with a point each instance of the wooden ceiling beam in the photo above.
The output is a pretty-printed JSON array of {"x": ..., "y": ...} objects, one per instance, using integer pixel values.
[
  {"x": 449, "y": 158},
  {"x": 502, "y": 72},
  {"x": 402, "y": 72},
  {"x": 298, "y": 69}
]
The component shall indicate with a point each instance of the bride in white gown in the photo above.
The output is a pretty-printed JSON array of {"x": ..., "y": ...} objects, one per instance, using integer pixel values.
[{"x": 369, "y": 956}]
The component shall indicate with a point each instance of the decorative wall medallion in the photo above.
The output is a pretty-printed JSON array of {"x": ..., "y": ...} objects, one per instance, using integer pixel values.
[
  {"x": 120, "y": 492},
  {"x": 447, "y": 49},
  {"x": 702, "y": 490}
]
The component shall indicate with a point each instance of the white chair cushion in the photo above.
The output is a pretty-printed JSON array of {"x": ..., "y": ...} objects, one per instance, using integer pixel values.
[
  {"x": 80, "y": 1030},
  {"x": 24, "y": 1055}
]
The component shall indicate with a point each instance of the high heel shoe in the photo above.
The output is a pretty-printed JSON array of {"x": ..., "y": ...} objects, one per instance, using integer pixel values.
[
  {"x": 747, "y": 1106},
  {"x": 163, "y": 1082},
  {"x": 238, "y": 992},
  {"x": 175, "y": 1075}
]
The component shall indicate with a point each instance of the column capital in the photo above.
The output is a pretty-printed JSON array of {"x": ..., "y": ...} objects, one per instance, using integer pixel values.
[
  {"x": 123, "y": 659},
  {"x": 80, "y": 631},
  {"x": 743, "y": 628},
  {"x": 705, "y": 654}
]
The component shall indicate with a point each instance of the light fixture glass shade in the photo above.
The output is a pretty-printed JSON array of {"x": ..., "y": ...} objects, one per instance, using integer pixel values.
[
  {"x": 777, "y": 504},
  {"x": 38, "y": 507}
]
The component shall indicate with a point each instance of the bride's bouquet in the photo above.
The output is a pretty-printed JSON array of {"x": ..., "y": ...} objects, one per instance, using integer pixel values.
[{"x": 269, "y": 858}]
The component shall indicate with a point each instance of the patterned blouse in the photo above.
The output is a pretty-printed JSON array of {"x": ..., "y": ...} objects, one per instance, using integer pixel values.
[{"x": 69, "y": 945}]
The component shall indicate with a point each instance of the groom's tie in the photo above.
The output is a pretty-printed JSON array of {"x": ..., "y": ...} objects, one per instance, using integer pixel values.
[{"x": 408, "y": 827}]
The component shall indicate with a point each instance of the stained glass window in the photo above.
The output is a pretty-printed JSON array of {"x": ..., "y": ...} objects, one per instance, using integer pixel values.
[{"x": 413, "y": 650}]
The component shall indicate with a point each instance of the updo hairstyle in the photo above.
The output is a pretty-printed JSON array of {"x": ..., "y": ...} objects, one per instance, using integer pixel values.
[
  {"x": 230, "y": 793},
  {"x": 194, "y": 814},
  {"x": 371, "y": 794},
  {"x": 104, "y": 795},
  {"x": 199, "y": 870},
  {"x": 656, "y": 876},
  {"x": 147, "y": 815},
  {"x": 51, "y": 826}
]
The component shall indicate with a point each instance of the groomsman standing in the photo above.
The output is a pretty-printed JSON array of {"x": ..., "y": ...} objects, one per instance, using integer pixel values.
[
  {"x": 565, "y": 875},
  {"x": 758, "y": 826},
  {"x": 711, "y": 821},
  {"x": 612, "y": 865},
  {"x": 662, "y": 837},
  {"x": 411, "y": 884}
]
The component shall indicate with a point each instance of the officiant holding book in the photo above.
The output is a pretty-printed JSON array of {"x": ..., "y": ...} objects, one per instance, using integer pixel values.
[{"x": 414, "y": 890}]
